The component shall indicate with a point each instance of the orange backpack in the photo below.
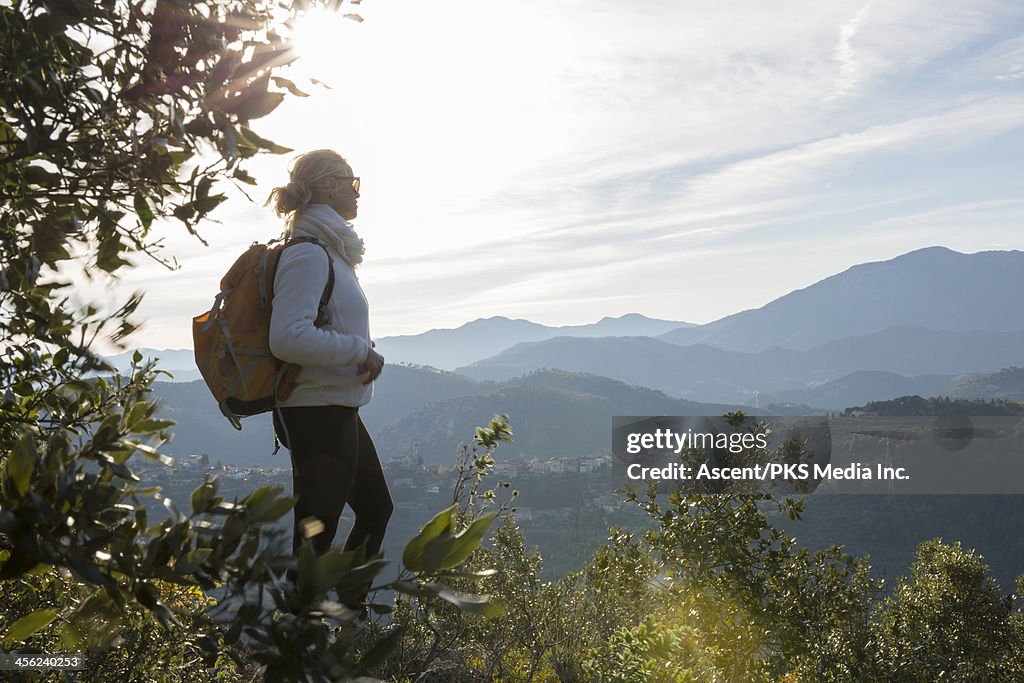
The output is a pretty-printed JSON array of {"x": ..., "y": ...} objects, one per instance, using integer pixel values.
[{"x": 232, "y": 339}]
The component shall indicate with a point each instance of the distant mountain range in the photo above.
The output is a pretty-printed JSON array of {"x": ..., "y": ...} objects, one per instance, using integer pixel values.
[
  {"x": 927, "y": 323},
  {"x": 479, "y": 339},
  {"x": 934, "y": 288},
  {"x": 202, "y": 429},
  {"x": 707, "y": 373},
  {"x": 181, "y": 363},
  {"x": 553, "y": 413},
  {"x": 445, "y": 348}
]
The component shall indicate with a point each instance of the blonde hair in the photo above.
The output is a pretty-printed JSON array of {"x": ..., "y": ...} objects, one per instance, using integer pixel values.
[{"x": 313, "y": 175}]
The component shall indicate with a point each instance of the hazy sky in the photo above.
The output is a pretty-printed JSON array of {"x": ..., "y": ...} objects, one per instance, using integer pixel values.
[{"x": 564, "y": 160}]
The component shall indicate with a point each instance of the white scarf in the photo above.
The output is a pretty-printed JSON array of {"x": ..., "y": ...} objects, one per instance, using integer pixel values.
[{"x": 324, "y": 223}]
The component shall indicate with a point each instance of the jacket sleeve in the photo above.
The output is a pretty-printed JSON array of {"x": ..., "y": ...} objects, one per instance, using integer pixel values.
[{"x": 300, "y": 280}]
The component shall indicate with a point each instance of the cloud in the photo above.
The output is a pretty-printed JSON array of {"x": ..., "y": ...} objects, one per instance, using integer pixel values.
[
  {"x": 790, "y": 169},
  {"x": 569, "y": 160},
  {"x": 849, "y": 69}
]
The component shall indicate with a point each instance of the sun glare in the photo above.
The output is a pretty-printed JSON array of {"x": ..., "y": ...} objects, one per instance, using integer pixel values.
[
  {"x": 318, "y": 35},
  {"x": 436, "y": 117}
]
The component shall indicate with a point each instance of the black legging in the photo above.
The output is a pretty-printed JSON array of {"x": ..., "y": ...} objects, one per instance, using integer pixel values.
[{"x": 334, "y": 462}]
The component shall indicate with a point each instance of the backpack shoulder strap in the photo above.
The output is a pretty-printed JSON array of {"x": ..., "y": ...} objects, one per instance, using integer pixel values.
[{"x": 322, "y": 317}]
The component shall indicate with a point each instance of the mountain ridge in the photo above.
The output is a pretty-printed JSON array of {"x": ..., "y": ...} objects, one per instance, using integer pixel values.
[
  {"x": 933, "y": 287},
  {"x": 479, "y": 334},
  {"x": 437, "y": 410},
  {"x": 447, "y": 348},
  {"x": 709, "y": 373}
]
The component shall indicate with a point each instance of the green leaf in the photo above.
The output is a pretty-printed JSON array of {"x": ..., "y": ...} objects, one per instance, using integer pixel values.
[
  {"x": 7, "y": 134},
  {"x": 336, "y": 610},
  {"x": 184, "y": 212},
  {"x": 259, "y": 105},
  {"x": 474, "y": 604},
  {"x": 144, "y": 212},
  {"x": 22, "y": 463},
  {"x": 468, "y": 541},
  {"x": 149, "y": 452},
  {"x": 278, "y": 509},
  {"x": 380, "y": 651},
  {"x": 203, "y": 498},
  {"x": 355, "y": 581},
  {"x": 137, "y": 412},
  {"x": 192, "y": 560},
  {"x": 37, "y": 175},
  {"x": 151, "y": 425},
  {"x": 244, "y": 176},
  {"x": 29, "y": 624},
  {"x": 330, "y": 569},
  {"x": 108, "y": 255},
  {"x": 412, "y": 557},
  {"x": 495, "y": 433},
  {"x": 306, "y": 565},
  {"x": 435, "y": 552},
  {"x": 208, "y": 204},
  {"x": 252, "y": 138},
  {"x": 417, "y": 590},
  {"x": 111, "y": 462},
  {"x": 50, "y": 234},
  {"x": 263, "y": 501},
  {"x": 482, "y": 574},
  {"x": 70, "y": 637},
  {"x": 289, "y": 86},
  {"x": 148, "y": 596}
]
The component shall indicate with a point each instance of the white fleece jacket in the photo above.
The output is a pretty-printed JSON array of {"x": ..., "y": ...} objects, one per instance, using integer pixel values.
[{"x": 329, "y": 355}]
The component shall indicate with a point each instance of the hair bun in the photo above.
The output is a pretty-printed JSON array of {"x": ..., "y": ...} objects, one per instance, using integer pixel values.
[
  {"x": 294, "y": 196},
  {"x": 300, "y": 192}
]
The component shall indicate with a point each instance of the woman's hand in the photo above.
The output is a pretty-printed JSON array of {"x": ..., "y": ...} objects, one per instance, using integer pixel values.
[{"x": 371, "y": 367}]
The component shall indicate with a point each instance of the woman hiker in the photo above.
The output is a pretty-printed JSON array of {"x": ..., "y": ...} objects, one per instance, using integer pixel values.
[{"x": 334, "y": 461}]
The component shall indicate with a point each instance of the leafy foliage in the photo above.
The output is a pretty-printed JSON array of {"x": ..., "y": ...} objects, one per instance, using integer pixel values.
[
  {"x": 115, "y": 116},
  {"x": 948, "y": 621},
  {"x": 1008, "y": 383},
  {"x": 132, "y": 642},
  {"x": 940, "y": 405},
  {"x": 301, "y": 627},
  {"x": 713, "y": 592},
  {"x": 436, "y": 624}
]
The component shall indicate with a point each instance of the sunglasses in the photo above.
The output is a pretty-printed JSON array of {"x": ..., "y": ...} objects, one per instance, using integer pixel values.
[{"x": 355, "y": 182}]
